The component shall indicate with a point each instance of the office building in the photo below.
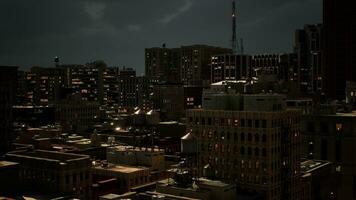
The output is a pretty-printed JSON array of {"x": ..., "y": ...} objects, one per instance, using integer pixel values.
[
  {"x": 169, "y": 100},
  {"x": 111, "y": 85},
  {"x": 21, "y": 88},
  {"x": 249, "y": 139},
  {"x": 8, "y": 86},
  {"x": 128, "y": 88},
  {"x": 195, "y": 63},
  {"x": 44, "y": 85},
  {"x": 34, "y": 116},
  {"x": 124, "y": 89},
  {"x": 339, "y": 55},
  {"x": 189, "y": 65},
  {"x": 75, "y": 114},
  {"x": 289, "y": 69},
  {"x": 162, "y": 64},
  {"x": 192, "y": 96},
  {"x": 230, "y": 67},
  {"x": 145, "y": 93},
  {"x": 308, "y": 47},
  {"x": 266, "y": 63},
  {"x": 86, "y": 80},
  {"x": 49, "y": 172}
]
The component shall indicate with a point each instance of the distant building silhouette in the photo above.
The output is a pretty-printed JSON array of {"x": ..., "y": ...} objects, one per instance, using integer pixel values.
[
  {"x": 43, "y": 85},
  {"x": 87, "y": 80},
  {"x": 308, "y": 47},
  {"x": 189, "y": 65},
  {"x": 8, "y": 86},
  {"x": 230, "y": 67},
  {"x": 339, "y": 56}
]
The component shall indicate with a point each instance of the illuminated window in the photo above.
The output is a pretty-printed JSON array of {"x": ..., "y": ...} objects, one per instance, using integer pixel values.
[
  {"x": 236, "y": 122},
  {"x": 338, "y": 127}
]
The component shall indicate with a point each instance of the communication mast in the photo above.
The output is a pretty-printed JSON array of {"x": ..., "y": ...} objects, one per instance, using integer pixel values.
[{"x": 234, "y": 42}]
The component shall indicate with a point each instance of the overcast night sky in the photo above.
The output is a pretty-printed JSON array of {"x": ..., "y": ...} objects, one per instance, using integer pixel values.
[{"x": 32, "y": 32}]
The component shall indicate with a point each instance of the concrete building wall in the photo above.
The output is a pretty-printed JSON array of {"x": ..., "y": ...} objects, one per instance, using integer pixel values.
[{"x": 259, "y": 149}]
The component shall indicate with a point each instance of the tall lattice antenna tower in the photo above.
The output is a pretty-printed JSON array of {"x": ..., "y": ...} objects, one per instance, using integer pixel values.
[{"x": 234, "y": 42}]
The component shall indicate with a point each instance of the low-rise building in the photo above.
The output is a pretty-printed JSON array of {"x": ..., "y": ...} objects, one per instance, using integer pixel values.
[
  {"x": 50, "y": 172},
  {"x": 136, "y": 156},
  {"x": 329, "y": 135},
  {"x": 202, "y": 188},
  {"x": 126, "y": 177},
  {"x": 9, "y": 177},
  {"x": 318, "y": 180}
]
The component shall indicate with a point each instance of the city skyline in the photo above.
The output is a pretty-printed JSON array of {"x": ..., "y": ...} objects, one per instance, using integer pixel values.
[
  {"x": 34, "y": 32},
  {"x": 178, "y": 99}
]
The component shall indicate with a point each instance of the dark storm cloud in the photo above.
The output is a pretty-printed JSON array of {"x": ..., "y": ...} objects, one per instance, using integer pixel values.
[{"x": 32, "y": 32}]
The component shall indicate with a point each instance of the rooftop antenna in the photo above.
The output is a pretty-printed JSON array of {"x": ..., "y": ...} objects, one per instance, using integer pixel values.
[
  {"x": 56, "y": 61},
  {"x": 242, "y": 46},
  {"x": 234, "y": 42}
]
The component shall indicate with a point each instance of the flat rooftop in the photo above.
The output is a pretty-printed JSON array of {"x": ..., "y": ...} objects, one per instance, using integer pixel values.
[
  {"x": 7, "y": 164},
  {"x": 199, "y": 182},
  {"x": 137, "y": 149},
  {"x": 110, "y": 196},
  {"x": 116, "y": 196},
  {"x": 349, "y": 114},
  {"x": 309, "y": 166},
  {"x": 122, "y": 168},
  {"x": 213, "y": 183},
  {"x": 47, "y": 155}
]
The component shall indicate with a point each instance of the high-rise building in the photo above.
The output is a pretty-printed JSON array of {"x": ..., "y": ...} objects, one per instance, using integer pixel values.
[
  {"x": 192, "y": 96},
  {"x": 111, "y": 85},
  {"x": 87, "y": 80},
  {"x": 126, "y": 90},
  {"x": 339, "y": 55},
  {"x": 22, "y": 88},
  {"x": 129, "y": 86},
  {"x": 162, "y": 64},
  {"x": 44, "y": 84},
  {"x": 230, "y": 67},
  {"x": 266, "y": 64},
  {"x": 189, "y": 65},
  {"x": 8, "y": 86},
  {"x": 169, "y": 100},
  {"x": 308, "y": 48},
  {"x": 289, "y": 68},
  {"x": 196, "y": 63},
  {"x": 120, "y": 87},
  {"x": 76, "y": 114},
  {"x": 266, "y": 67},
  {"x": 249, "y": 139}
]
